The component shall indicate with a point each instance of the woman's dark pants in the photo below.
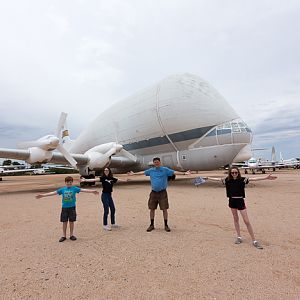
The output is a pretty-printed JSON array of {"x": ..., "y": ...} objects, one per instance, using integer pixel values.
[{"x": 108, "y": 203}]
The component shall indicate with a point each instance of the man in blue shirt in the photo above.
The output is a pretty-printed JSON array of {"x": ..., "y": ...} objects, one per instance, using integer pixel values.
[{"x": 159, "y": 182}]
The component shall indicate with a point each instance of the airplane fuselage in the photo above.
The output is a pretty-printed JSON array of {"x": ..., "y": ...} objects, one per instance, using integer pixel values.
[{"x": 182, "y": 119}]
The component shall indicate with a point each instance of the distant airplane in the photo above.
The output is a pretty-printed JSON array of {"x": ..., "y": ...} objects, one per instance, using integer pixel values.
[
  {"x": 13, "y": 167},
  {"x": 254, "y": 164},
  {"x": 182, "y": 119},
  {"x": 28, "y": 170},
  {"x": 290, "y": 163}
]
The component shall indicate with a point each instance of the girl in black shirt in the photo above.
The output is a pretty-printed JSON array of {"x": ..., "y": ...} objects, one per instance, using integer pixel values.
[
  {"x": 107, "y": 179},
  {"x": 235, "y": 191}
]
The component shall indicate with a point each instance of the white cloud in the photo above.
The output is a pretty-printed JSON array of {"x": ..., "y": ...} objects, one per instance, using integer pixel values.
[{"x": 61, "y": 24}]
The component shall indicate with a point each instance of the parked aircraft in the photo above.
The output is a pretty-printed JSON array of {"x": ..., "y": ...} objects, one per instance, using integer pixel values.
[
  {"x": 13, "y": 167},
  {"x": 254, "y": 164},
  {"x": 290, "y": 163},
  {"x": 182, "y": 119},
  {"x": 26, "y": 170}
]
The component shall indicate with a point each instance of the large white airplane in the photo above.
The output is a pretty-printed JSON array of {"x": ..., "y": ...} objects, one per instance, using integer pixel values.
[{"x": 182, "y": 119}]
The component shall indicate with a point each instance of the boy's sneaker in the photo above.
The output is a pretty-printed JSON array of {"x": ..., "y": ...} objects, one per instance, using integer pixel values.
[
  {"x": 73, "y": 238},
  {"x": 115, "y": 226},
  {"x": 106, "y": 227},
  {"x": 167, "y": 228},
  {"x": 257, "y": 245},
  {"x": 238, "y": 240},
  {"x": 150, "y": 228},
  {"x": 62, "y": 239}
]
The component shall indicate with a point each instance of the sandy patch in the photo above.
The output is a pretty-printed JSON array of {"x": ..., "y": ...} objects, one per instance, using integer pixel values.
[{"x": 196, "y": 260}]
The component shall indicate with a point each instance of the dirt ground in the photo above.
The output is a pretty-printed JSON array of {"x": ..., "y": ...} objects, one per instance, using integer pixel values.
[{"x": 196, "y": 260}]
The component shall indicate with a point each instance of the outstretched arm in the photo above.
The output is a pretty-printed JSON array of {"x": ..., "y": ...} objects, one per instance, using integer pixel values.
[
  {"x": 89, "y": 180},
  {"x": 135, "y": 173},
  {"x": 182, "y": 173},
  {"x": 123, "y": 180},
  {"x": 214, "y": 179},
  {"x": 269, "y": 177},
  {"x": 89, "y": 191},
  {"x": 38, "y": 196}
]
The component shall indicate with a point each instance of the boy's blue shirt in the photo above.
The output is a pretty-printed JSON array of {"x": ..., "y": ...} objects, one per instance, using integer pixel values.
[
  {"x": 159, "y": 177},
  {"x": 68, "y": 195}
]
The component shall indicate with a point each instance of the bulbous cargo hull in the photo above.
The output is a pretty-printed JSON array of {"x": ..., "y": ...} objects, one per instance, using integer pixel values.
[{"x": 183, "y": 119}]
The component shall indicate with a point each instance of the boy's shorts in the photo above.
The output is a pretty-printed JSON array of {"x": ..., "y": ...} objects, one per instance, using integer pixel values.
[
  {"x": 160, "y": 198},
  {"x": 68, "y": 214},
  {"x": 237, "y": 203}
]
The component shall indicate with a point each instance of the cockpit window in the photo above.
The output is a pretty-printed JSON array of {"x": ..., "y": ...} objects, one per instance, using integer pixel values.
[{"x": 235, "y": 126}]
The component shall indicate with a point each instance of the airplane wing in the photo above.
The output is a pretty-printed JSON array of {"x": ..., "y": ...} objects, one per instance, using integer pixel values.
[
  {"x": 239, "y": 165},
  {"x": 14, "y": 153},
  {"x": 16, "y": 171},
  {"x": 20, "y": 154},
  {"x": 58, "y": 158},
  {"x": 81, "y": 159},
  {"x": 50, "y": 149},
  {"x": 261, "y": 167}
]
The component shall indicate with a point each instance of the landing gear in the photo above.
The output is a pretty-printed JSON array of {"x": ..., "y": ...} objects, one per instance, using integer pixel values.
[{"x": 90, "y": 176}]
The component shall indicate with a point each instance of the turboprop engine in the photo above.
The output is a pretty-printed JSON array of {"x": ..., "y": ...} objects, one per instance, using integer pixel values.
[
  {"x": 99, "y": 156},
  {"x": 41, "y": 150}
]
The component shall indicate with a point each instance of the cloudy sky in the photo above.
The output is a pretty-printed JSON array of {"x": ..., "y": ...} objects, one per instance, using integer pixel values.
[{"x": 81, "y": 56}]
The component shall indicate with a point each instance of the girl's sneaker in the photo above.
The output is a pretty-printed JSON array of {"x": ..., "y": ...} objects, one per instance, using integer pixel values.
[
  {"x": 257, "y": 245},
  {"x": 238, "y": 240},
  {"x": 114, "y": 226},
  {"x": 106, "y": 227}
]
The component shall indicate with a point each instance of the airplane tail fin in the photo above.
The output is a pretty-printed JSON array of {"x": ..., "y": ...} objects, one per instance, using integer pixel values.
[{"x": 273, "y": 156}]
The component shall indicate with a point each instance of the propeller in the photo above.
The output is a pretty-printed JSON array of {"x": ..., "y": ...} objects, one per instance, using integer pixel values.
[
  {"x": 127, "y": 154},
  {"x": 61, "y": 123},
  {"x": 67, "y": 156},
  {"x": 52, "y": 142}
]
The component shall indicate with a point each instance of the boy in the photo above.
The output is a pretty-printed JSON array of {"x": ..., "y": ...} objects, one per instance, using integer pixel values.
[{"x": 68, "y": 211}]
